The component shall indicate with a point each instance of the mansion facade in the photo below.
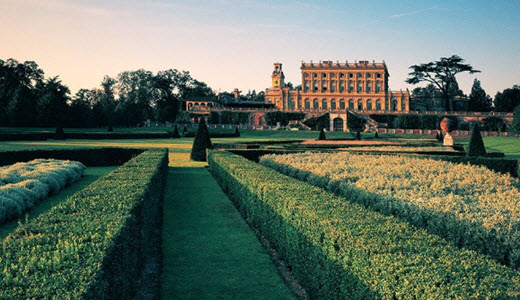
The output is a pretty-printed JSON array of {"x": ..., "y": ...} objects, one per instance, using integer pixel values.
[{"x": 328, "y": 86}]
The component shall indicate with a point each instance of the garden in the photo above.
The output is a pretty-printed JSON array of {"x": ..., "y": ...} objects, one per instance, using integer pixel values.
[{"x": 271, "y": 214}]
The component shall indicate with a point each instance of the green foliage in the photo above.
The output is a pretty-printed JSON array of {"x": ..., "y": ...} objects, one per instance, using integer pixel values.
[
  {"x": 214, "y": 118},
  {"x": 272, "y": 118},
  {"x": 494, "y": 124},
  {"x": 354, "y": 122},
  {"x": 237, "y": 132},
  {"x": 429, "y": 122},
  {"x": 322, "y": 136},
  {"x": 478, "y": 99},
  {"x": 476, "y": 144},
  {"x": 386, "y": 119},
  {"x": 358, "y": 136},
  {"x": 96, "y": 238},
  {"x": 318, "y": 123},
  {"x": 408, "y": 122},
  {"x": 235, "y": 118},
  {"x": 340, "y": 250},
  {"x": 515, "y": 126},
  {"x": 508, "y": 99},
  {"x": 201, "y": 142},
  {"x": 175, "y": 133},
  {"x": 376, "y": 135}
]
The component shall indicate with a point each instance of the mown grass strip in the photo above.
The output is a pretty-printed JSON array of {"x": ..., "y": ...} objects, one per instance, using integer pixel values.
[
  {"x": 91, "y": 245},
  {"x": 338, "y": 249}
]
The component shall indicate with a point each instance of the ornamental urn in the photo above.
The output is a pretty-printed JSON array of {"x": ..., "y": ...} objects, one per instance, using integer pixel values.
[{"x": 447, "y": 125}]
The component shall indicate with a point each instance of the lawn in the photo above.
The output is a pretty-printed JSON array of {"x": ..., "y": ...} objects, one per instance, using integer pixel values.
[{"x": 90, "y": 175}]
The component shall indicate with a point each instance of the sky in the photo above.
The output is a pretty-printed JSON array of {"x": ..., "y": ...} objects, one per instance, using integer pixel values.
[{"x": 233, "y": 44}]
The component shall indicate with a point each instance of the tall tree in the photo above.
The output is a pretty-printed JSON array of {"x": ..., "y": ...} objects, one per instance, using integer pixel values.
[
  {"x": 478, "y": 99},
  {"x": 108, "y": 101},
  {"x": 21, "y": 110},
  {"x": 442, "y": 74},
  {"x": 515, "y": 126},
  {"x": 52, "y": 106},
  {"x": 508, "y": 99}
]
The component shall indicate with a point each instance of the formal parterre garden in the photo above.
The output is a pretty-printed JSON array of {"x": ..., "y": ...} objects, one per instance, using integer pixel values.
[{"x": 402, "y": 219}]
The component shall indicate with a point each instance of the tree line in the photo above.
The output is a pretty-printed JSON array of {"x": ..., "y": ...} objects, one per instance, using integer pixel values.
[{"x": 28, "y": 99}]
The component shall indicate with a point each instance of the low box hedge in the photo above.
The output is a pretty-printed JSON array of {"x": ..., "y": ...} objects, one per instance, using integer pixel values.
[
  {"x": 38, "y": 136},
  {"x": 91, "y": 245},
  {"x": 91, "y": 157},
  {"x": 340, "y": 250}
]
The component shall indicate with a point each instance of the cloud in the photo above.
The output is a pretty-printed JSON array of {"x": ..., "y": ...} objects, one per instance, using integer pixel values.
[{"x": 404, "y": 14}]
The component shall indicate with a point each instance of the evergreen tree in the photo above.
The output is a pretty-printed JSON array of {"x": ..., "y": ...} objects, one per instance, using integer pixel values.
[
  {"x": 184, "y": 130},
  {"x": 322, "y": 136},
  {"x": 376, "y": 135},
  {"x": 478, "y": 99},
  {"x": 358, "y": 136},
  {"x": 201, "y": 142},
  {"x": 175, "y": 133},
  {"x": 515, "y": 126},
  {"x": 476, "y": 144},
  {"x": 237, "y": 132}
]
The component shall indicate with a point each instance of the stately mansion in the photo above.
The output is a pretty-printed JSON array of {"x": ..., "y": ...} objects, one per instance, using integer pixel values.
[{"x": 335, "y": 86}]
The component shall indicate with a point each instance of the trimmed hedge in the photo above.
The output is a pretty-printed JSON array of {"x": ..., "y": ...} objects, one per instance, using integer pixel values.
[
  {"x": 91, "y": 157},
  {"x": 337, "y": 249},
  {"x": 91, "y": 245}
]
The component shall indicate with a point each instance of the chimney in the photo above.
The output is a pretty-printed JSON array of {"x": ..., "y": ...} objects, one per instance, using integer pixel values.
[{"x": 235, "y": 92}]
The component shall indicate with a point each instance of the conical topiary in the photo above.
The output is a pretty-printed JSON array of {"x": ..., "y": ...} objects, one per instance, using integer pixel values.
[
  {"x": 358, "y": 136},
  {"x": 322, "y": 136},
  {"x": 184, "y": 130},
  {"x": 201, "y": 142},
  {"x": 175, "y": 133},
  {"x": 476, "y": 144},
  {"x": 376, "y": 135},
  {"x": 237, "y": 132}
]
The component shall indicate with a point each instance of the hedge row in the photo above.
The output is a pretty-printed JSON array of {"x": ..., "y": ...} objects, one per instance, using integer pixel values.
[
  {"x": 337, "y": 249},
  {"x": 38, "y": 136},
  {"x": 91, "y": 157},
  {"x": 91, "y": 245},
  {"x": 214, "y": 135}
]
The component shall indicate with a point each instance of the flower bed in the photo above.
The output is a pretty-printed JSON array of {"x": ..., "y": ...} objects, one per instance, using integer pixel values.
[
  {"x": 471, "y": 206},
  {"x": 24, "y": 184}
]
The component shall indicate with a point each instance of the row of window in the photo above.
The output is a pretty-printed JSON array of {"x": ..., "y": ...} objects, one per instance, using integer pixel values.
[
  {"x": 325, "y": 86},
  {"x": 352, "y": 105},
  {"x": 342, "y": 75}
]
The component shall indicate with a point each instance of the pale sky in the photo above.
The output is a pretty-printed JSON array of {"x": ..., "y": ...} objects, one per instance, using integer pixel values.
[{"x": 229, "y": 44}]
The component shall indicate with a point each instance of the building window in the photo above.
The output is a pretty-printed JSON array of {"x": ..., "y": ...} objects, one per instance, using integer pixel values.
[
  {"x": 378, "y": 86},
  {"x": 305, "y": 75},
  {"x": 369, "y": 104},
  {"x": 323, "y": 104},
  {"x": 342, "y": 104},
  {"x": 350, "y": 87},
  {"x": 359, "y": 75},
  {"x": 323, "y": 86},
  {"x": 315, "y": 75},
  {"x": 378, "y": 104},
  {"x": 315, "y": 104},
  {"x": 315, "y": 86},
  {"x": 360, "y": 87},
  {"x": 269, "y": 100},
  {"x": 368, "y": 75},
  {"x": 350, "y": 75},
  {"x": 323, "y": 75},
  {"x": 291, "y": 104},
  {"x": 333, "y": 104},
  {"x": 307, "y": 104},
  {"x": 341, "y": 75},
  {"x": 394, "y": 104},
  {"x": 299, "y": 103},
  {"x": 341, "y": 86},
  {"x": 359, "y": 104},
  {"x": 332, "y": 86},
  {"x": 351, "y": 104},
  {"x": 369, "y": 87},
  {"x": 378, "y": 75},
  {"x": 332, "y": 75}
]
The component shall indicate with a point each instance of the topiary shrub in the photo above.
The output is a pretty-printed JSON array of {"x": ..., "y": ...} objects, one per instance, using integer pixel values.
[
  {"x": 476, "y": 144},
  {"x": 110, "y": 129},
  {"x": 175, "y": 133},
  {"x": 322, "y": 136},
  {"x": 376, "y": 135},
  {"x": 237, "y": 132},
  {"x": 201, "y": 142},
  {"x": 185, "y": 130},
  {"x": 59, "y": 134},
  {"x": 358, "y": 136}
]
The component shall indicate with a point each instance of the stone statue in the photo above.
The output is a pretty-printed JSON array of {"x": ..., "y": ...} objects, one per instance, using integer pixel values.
[{"x": 447, "y": 125}]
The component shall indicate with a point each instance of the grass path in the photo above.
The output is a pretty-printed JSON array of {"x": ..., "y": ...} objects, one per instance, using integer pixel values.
[
  {"x": 209, "y": 252},
  {"x": 90, "y": 175}
]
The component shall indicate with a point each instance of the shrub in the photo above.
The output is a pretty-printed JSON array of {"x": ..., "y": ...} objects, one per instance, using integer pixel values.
[
  {"x": 175, "y": 133},
  {"x": 358, "y": 136},
  {"x": 354, "y": 122},
  {"x": 317, "y": 123},
  {"x": 90, "y": 246},
  {"x": 462, "y": 203},
  {"x": 214, "y": 118},
  {"x": 340, "y": 250},
  {"x": 493, "y": 123},
  {"x": 322, "y": 136},
  {"x": 201, "y": 142},
  {"x": 376, "y": 135},
  {"x": 476, "y": 144},
  {"x": 237, "y": 132},
  {"x": 408, "y": 122},
  {"x": 272, "y": 118}
]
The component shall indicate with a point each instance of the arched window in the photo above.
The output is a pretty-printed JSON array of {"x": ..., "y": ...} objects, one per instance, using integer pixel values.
[
  {"x": 359, "y": 87},
  {"x": 369, "y": 87},
  {"x": 369, "y": 104},
  {"x": 315, "y": 104},
  {"x": 351, "y": 104},
  {"x": 333, "y": 104},
  {"x": 342, "y": 104},
  {"x": 394, "y": 104},
  {"x": 378, "y": 104},
  {"x": 299, "y": 103},
  {"x": 360, "y": 104},
  {"x": 324, "y": 104},
  {"x": 307, "y": 104}
]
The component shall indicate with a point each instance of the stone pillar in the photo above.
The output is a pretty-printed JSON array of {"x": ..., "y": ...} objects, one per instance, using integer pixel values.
[
  {"x": 331, "y": 123},
  {"x": 345, "y": 123}
]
